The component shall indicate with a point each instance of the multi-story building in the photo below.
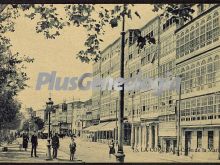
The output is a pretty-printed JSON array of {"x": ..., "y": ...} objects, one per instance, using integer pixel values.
[
  {"x": 70, "y": 117},
  {"x": 96, "y": 102},
  {"x": 197, "y": 52},
  {"x": 107, "y": 101},
  {"x": 150, "y": 113},
  {"x": 81, "y": 116},
  {"x": 87, "y": 114},
  {"x": 167, "y": 100},
  {"x": 59, "y": 119},
  {"x": 188, "y": 49},
  {"x": 143, "y": 105}
]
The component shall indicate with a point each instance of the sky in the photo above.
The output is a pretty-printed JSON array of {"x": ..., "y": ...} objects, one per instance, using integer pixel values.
[{"x": 60, "y": 55}]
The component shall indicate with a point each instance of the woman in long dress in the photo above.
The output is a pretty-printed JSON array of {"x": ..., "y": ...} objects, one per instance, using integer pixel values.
[{"x": 25, "y": 141}]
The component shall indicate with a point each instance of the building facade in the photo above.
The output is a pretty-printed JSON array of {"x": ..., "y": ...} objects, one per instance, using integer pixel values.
[
  {"x": 81, "y": 116},
  {"x": 198, "y": 54},
  {"x": 189, "y": 50},
  {"x": 107, "y": 101},
  {"x": 69, "y": 117}
]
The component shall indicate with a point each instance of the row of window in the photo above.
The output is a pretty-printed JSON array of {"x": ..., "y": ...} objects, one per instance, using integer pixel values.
[
  {"x": 198, "y": 36},
  {"x": 199, "y": 137},
  {"x": 167, "y": 118},
  {"x": 201, "y": 108},
  {"x": 168, "y": 45},
  {"x": 200, "y": 73}
]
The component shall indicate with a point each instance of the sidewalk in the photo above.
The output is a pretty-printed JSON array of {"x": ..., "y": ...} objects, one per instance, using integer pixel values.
[
  {"x": 203, "y": 157},
  {"x": 167, "y": 156},
  {"x": 132, "y": 157},
  {"x": 15, "y": 154}
]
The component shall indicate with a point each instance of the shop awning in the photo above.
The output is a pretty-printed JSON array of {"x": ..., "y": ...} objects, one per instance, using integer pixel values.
[
  {"x": 110, "y": 126},
  {"x": 90, "y": 128},
  {"x": 95, "y": 128}
]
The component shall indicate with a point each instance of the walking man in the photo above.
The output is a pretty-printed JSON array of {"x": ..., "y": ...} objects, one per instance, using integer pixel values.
[
  {"x": 72, "y": 148},
  {"x": 34, "y": 142},
  {"x": 55, "y": 145}
]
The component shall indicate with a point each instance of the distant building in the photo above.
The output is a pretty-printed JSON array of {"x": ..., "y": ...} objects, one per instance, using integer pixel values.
[
  {"x": 69, "y": 117},
  {"x": 82, "y": 116}
]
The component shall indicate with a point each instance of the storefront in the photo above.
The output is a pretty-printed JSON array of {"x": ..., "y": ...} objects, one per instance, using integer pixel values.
[
  {"x": 197, "y": 140},
  {"x": 167, "y": 136},
  {"x": 106, "y": 131}
]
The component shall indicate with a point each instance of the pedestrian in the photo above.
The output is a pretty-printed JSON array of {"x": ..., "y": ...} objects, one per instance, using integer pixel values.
[
  {"x": 72, "y": 148},
  {"x": 25, "y": 141},
  {"x": 111, "y": 148},
  {"x": 34, "y": 142},
  {"x": 132, "y": 147},
  {"x": 55, "y": 145}
]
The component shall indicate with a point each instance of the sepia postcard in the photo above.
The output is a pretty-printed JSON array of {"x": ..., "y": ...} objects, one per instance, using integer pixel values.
[{"x": 109, "y": 82}]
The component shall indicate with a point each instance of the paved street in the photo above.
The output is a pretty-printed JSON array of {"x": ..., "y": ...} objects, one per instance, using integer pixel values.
[
  {"x": 15, "y": 154},
  {"x": 88, "y": 152},
  {"x": 98, "y": 152}
]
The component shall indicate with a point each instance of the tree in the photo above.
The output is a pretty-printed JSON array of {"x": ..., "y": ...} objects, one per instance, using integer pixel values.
[
  {"x": 34, "y": 123},
  {"x": 82, "y": 15},
  {"x": 39, "y": 122},
  {"x": 12, "y": 75},
  {"x": 9, "y": 109},
  {"x": 25, "y": 125},
  {"x": 15, "y": 123}
]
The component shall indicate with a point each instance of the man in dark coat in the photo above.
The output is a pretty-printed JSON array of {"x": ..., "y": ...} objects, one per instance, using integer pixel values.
[
  {"x": 34, "y": 142},
  {"x": 55, "y": 145},
  {"x": 25, "y": 141}
]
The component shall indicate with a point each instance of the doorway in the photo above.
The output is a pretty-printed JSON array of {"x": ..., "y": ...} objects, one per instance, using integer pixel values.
[
  {"x": 167, "y": 145},
  {"x": 187, "y": 142}
]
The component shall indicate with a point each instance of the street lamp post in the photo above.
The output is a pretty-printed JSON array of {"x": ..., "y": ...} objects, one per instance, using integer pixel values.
[
  {"x": 49, "y": 108},
  {"x": 120, "y": 153},
  {"x": 29, "y": 128},
  {"x": 116, "y": 117},
  {"x": 60, "y": 127},
  {"x": 178, "y": 122},
  {"x": 218, "y": 94},
  {"x": 132, "y": 118}
]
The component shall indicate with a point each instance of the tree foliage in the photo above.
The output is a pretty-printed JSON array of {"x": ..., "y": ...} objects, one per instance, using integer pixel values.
[
  {"x": 9, "y": 111},
  {"x": 39, "y": 122},
  {"x": 25, "y": 126},
  {"x": 94, "y": 18},
  {"x": 12, "y": 70},
  {"x": 33, "y": 123}
]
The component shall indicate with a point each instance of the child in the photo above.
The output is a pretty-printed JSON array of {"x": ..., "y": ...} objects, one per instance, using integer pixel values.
[
  {"x": 72, "y": 148},
  {"x": 111, "y": 148}
]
